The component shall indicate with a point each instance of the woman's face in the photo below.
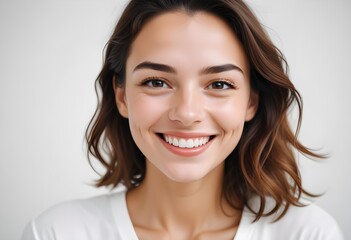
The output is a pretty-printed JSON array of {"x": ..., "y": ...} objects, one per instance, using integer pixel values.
[{"x": 187, "y": 93}]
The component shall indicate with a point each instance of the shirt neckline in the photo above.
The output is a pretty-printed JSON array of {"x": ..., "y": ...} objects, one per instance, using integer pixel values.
[
  {"x": 126, "y": 229},
  {"x": 120, "y": 213}
]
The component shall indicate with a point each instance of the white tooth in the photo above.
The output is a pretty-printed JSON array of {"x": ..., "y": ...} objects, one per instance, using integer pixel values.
[
  {"x": 168, "y": 139},
  {"x": 175, "y": 142},
  {"x": 182, "y": 143},
  {"x": 190, "y": 143},
  {"x": 186, "y": 143},
  {"x": 196, "y": 142}
]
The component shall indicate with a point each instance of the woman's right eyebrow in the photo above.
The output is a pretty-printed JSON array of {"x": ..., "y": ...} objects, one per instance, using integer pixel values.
[{"x": 155, "y": 66}]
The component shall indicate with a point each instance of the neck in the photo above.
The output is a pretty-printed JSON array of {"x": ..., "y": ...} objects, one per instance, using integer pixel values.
[{"x": 171, "y": 206}]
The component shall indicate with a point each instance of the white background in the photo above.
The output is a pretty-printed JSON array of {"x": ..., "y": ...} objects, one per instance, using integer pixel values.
[{"x": 51, "y": 53}]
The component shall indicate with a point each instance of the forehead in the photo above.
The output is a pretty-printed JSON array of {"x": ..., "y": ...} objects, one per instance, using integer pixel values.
[{"x": 178, "y": 37}]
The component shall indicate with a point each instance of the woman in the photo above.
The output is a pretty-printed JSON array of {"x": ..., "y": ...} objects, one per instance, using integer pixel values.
[{"x": 193, "y": 122}]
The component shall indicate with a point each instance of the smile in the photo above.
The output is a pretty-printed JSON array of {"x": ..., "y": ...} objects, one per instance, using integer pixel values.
[{"x": 186, "y": 142}]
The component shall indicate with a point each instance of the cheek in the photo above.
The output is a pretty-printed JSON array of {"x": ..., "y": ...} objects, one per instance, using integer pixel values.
[
  {"x": 229, "y": 114},
  {"x": 142, "y": 116},
  {"x": 144, "y": 111}
]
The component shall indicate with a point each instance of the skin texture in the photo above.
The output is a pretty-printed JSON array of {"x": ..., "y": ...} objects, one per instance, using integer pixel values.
[{"x": 180, "y": 197}]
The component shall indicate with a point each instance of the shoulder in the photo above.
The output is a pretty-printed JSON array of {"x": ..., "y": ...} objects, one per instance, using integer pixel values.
[
  {"x": 308, "y": 222},
  {"x": 90, "y": 218}
]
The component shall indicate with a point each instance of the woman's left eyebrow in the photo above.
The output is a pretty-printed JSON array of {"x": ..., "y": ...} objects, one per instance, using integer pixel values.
[{"x": 220, "y": 68}]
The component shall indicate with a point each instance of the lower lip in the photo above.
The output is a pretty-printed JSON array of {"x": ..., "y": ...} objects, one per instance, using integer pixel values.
[{"x": 186, "y": 152}]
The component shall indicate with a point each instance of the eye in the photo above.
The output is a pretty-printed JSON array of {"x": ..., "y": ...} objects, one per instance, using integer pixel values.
[
  {"x": 155, "y": 83},
  {"x": 221, "y": 85}
]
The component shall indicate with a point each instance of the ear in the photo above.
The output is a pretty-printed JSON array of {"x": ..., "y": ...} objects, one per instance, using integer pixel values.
[
  {"x": 120, "y": 99},
  {"x": 252, "y": 106}
]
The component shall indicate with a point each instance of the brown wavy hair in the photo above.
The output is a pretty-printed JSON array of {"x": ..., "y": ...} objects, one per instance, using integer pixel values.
[{"x": 262, "y": 164}]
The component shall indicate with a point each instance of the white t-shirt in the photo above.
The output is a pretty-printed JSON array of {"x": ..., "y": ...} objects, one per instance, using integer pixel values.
[{"x": 106, "y": 218}]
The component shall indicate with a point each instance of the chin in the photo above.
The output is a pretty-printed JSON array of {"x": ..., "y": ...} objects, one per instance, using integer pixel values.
[{"x": 186, "y": 174}]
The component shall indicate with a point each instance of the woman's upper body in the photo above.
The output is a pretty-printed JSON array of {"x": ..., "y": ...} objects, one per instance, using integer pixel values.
[
  {"x": 107, "y": 217},
  {"x": 193, "y": 121}
]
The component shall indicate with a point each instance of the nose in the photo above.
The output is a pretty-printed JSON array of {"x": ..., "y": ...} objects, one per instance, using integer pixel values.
[{"x": 188, "y": 107}]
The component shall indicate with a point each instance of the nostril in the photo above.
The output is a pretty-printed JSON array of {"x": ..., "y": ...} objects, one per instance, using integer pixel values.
[{"x": 186, "y": 115}]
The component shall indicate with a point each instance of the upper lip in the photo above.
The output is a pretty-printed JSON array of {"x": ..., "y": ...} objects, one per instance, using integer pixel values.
[{"x": 187, "y": 134}]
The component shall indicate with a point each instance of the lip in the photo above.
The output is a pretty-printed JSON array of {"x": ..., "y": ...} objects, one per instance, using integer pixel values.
[
  {"x": 186, "y": 152},
  {"x": 187, "y": 134}
]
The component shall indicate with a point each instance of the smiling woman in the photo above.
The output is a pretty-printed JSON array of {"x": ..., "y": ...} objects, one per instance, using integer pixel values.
[
  {"x": 189, "y": 95},
  {"x": 193, "y": 122}
]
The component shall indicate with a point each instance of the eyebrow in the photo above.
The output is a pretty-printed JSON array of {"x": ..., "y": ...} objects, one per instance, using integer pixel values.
[
  {"x": 220, "y": 68},
  {"x": 155, "y": 66},
  {"x": 169, "y": 69}
]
